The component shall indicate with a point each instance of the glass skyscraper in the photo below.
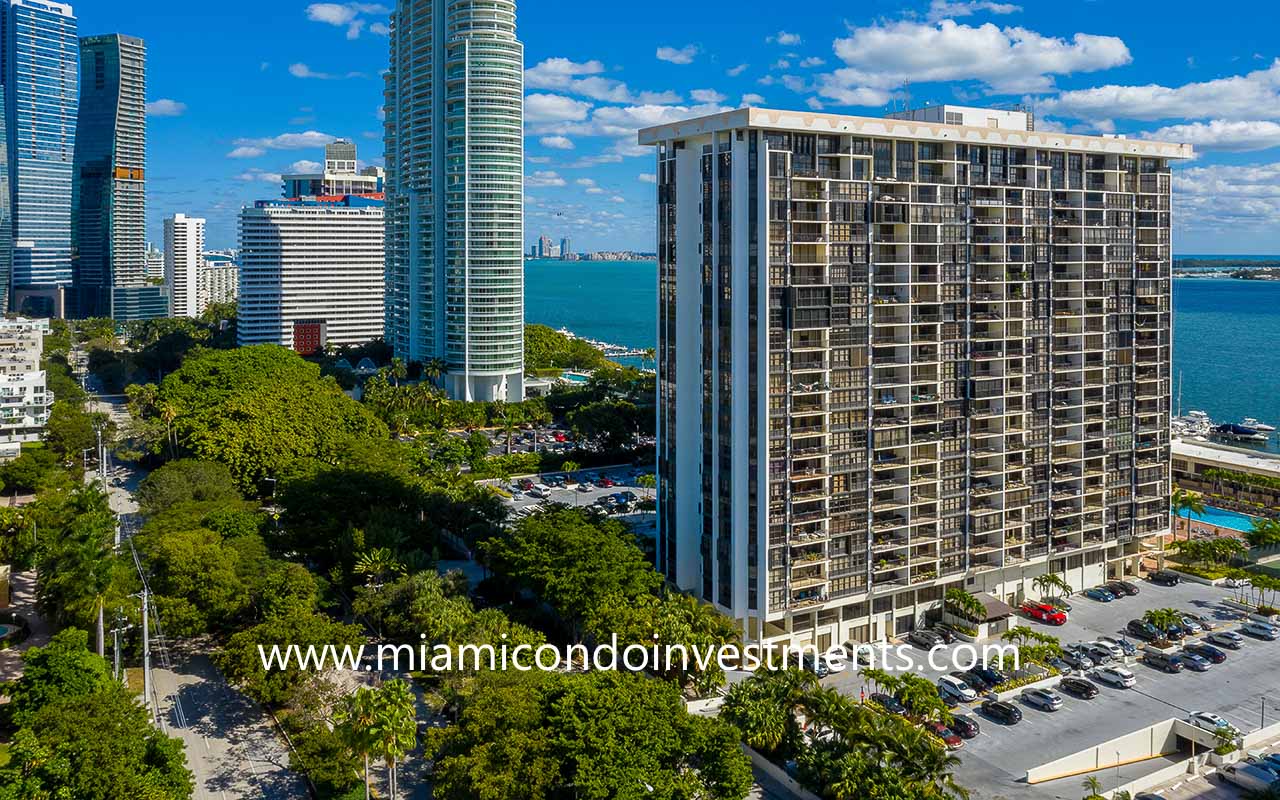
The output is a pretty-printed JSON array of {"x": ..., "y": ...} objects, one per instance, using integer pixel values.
[
  {"x": 454, "y": 211},
  {"x": 109, "y": 195},
  {"x": 39, "y": 68}
]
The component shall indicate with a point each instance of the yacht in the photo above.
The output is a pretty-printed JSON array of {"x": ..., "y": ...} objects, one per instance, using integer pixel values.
[
  {"x": 1238, "y": 433},
  {"x": 1250, "y": 422}
]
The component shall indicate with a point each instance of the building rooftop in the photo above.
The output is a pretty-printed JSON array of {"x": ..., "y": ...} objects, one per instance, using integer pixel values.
[
  {"x": 1250, "y": 460},
  {"x": 374, "y": 199},
  {"x": 815, "y": 122}
]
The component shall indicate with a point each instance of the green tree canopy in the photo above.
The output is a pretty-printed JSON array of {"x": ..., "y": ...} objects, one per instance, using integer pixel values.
[{"x": 183, "y": 481}]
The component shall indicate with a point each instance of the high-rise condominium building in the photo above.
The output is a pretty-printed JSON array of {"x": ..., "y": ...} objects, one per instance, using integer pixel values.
[
  {"x": 24, "y": 399},
  {"x": 183, "y": 259},
  {"x": 311, "y": 272},
  {"x": 896, "y": 357},
  {"x": 455, "y": 173},
  {"x": 39, "y": 67},
  {"x": 340, "y": 175},
  {"x": 566, "y": 247},
  {"x": 219, "y": 280},
  {"x": 108, "y": 215}
]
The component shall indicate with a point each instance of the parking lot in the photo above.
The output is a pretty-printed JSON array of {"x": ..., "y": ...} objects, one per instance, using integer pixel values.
[
  {"x": 587, "y": 487},
  {"x": 993, "y": 764}
]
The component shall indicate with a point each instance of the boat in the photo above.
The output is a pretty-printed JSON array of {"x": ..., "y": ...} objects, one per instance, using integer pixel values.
[
  {"x": 1238, "y": 433},
  {"x": 1250, "y": 422}
]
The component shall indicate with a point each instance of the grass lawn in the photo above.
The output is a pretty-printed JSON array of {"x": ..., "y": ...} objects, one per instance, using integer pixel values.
[{"x": 133, "y": 679}]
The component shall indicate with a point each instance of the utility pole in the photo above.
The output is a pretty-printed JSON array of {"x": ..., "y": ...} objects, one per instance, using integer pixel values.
[{"x": 146, "y": 653}]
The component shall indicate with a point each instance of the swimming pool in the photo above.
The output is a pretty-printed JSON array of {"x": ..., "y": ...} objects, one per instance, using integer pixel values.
[{"x": 1222, "y": 518}]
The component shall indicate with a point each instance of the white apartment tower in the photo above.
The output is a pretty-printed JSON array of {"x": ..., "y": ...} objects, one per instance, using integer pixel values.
[
  {"x": 183, "y": 259},
  {"x": 455, "y": 175},
  {"x": 311, "y": 272},
  {"x": 25, "y": 401},
  {"x": 899, "y": 356}
]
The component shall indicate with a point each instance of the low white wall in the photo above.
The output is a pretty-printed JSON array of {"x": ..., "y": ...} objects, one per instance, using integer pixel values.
[
  {"x": 1048, "y": 682},
  {"x": 1153, "y": 779},
  {"x": 1151, "y": 742},
  {"x": 706, "y": 706},
  {"x": 1261, "y": 735},
  {"x": 779, "y": 774},
  {"x": 1187, "y": 576}
]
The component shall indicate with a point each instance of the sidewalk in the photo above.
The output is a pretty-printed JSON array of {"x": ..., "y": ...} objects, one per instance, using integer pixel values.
[{"x": 24, "y": 602}]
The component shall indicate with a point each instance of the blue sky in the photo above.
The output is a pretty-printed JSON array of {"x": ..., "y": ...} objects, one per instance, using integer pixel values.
[{"x": 241, "y": 91}]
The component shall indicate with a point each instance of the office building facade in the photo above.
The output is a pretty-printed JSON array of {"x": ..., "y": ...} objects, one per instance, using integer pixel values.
[
  {"x": 311, "y": 272},
  {"x": 896, "y": 357},
  {"x": 455, "y": 193},
  {"x": 183, "y": 260},
  {"x": 108, "y": 220},
  {"x": 39, "y": 67}
]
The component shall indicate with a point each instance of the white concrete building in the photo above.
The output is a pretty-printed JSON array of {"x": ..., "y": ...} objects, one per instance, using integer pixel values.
[
  {"x": 24, "y": 399},
  {"x": 455, "y": 193},
  {"x": 311, "y": 272},
  {"x": 183, "y": 260},
  {"x": 219, "y": 282},
  {"x": 896, "y": 357},
  {"x": 341, "y": 175}
]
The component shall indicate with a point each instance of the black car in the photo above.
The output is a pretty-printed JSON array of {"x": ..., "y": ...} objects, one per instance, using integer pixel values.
[
  {"x": 965, "y": 726},
  {"x": 1079, "y": 687},
  {"x": 1121, "y": 588},
  {"x": 1003, "y": 712},
  {"x": 1140, "y": 629},
  {"x": 1175, "y": 633},
  {"x": 1164, "y": 578},
  {"x": 974, "y": 682},
  {"x": 1208, "y": 651},
  {"x": 889, "y": 703},
  {"x": 993, "y": 677}
]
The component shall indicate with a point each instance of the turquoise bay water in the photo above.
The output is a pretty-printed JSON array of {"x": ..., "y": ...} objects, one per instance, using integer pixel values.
[{"x": 1226, "y": 344}]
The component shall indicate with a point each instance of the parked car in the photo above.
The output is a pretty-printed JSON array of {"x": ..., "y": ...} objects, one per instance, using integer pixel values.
[
  {"x": 1099, "y": 653},
  {"x": 1239, "y": 583},
  {"x": 585, "y": 486},
  {"x": 861, "y": 654},
  {"x": 972, "y": 681},
  {"x": 1058, "y": 664},
  {"x": 606, "y": 482},
  {"x": 1077, "y": 659},
  {"x": 1189, "y": 625},
  {"x": 1126, "y": 587},
  {"x": 994, "y": 677},
  {"x": 965, "y": 725},
  {"x": 1100, "y": 594},
  {"x": 1116, "y": 676},
  {"x": 1043, "y": 699},
  {"x": 1175, "y": 633},
  {"x": 949, "y": 737},
  {"x": 1205, "y": 622},
  {"x": 889, "y": 703},
  {"x": 944, "y": 633},
  {"x": 1161, "y": 661},
  {"x": 1164, "y": 577},
  {"x": 1127, "y": 647},
  {"x": 957, "y": 688},
  {"x": 1228, "y": 639},
  {"x": 1209, "y": 721},
  {"x": 1110, "y": 648},
  {"x": 1045, "y": 613},
  {"x": 1194, "y": 661},
  {"x": 1261, "y": 630},
  {"x": 1248, "y": 776},
  {"x": 1269, "y": 760},
  {"x": 1080, "y": 687},
  {"x": 1140, "y": 629},
  {"x": 924, "y": 638},
  {"x": 1001, "y": 711},
  {"x": 1207, "y": 651},
  {"x": 818, "y": 665}
]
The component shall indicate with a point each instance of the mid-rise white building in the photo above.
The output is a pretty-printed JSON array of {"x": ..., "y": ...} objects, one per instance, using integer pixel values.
[
  {"x": 311, "y": 272},
  {"x": 219, "y": 280},
  {"x": 24, "y": 399},
  {"x": 341, "y": 175},
  {"x": 183, "y": 260},
  {"x": 154, "y": 260}
]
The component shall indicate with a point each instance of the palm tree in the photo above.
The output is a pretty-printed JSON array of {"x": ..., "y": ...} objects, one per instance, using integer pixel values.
[
  {"x": 1187, "y": 503},
  {"x": 395, "y": 728},
  {"x": 1265, "y": 533},
  {"x": 354, "y": 718},
  {"x": 963, "y": 604},
  {"x": 399, "y": 371},
  {"x": 1093, "y": 786},
  {"x": 434, "y": 368},
  {"x": 1162, "y": 619},
  {"x": 377, "y": 565}
]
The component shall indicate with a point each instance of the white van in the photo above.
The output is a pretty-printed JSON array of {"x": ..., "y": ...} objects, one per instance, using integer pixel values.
[
  {"x": 1248, "y": 776},
  {"x": 540, "y": 491}
]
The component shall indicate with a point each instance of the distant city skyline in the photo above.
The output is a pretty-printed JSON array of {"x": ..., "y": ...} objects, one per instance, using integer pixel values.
[{"x": 217, "y": 138}]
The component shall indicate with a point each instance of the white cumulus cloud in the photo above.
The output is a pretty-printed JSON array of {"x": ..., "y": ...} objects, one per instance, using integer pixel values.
[
  {"x": 1233, "y": 136},
  {"x": 584, "y": 79},
  {"x": 285, "y": 141},
  {"x": 554, "y": 108},
  {"x": 785, "y": 39},
  {"x": 944, "y": 9},
  {"x": 164, "y": 107},
  {"x": 543, "y": 178},
  {"x": 1250, "y": 96},
  {"x": 556, "y": 142},
  {"x": 678, "y": 55}
]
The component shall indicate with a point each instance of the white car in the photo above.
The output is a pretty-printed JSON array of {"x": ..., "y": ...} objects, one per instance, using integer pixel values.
[
  {"x": 1110, "y": 647},
  {"x": 1116, "y": 676},
  {"x": 1261, "y": 630},
  {"x": 957, "y": 688},
  {"x": 1190, "y": 625},
  {"x": 1206, "y": 624},
  {"x": 1239, "y": 583},
  {"x": 1209, "y": 721}
]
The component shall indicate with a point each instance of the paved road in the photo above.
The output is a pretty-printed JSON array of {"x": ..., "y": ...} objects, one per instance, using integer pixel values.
[{"x": 232, "y": 746}]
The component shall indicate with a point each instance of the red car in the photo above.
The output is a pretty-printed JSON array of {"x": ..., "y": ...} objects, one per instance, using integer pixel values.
[
  {"x": 560, "y": 437},
  {"x": 605, "y": 483},
  {"x": 949, "y": 737},
  {"x": 1045, "y": 613}
]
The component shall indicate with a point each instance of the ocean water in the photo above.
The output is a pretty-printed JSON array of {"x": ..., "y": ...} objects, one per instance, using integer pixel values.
[{"x": 1226, "y": 344}]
